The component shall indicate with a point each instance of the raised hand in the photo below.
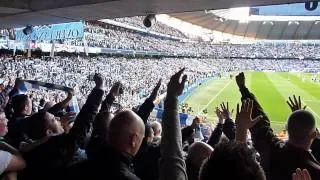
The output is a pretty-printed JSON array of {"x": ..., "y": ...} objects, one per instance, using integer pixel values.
[
  {"x": 155, "y": 91},
  {"x": 301, "y": 175},
  {"x": 115, "y": 90},
  {"x": 219, "y": 115},
  {"x": 175, "y": 87},
  {"x": 244, "y": 120},
  {"x": 240, "y": 79},
  {"x": 295, "y": 104},
  {"x": 225, "y": 111},
  {"x": 98, "y": 79}
]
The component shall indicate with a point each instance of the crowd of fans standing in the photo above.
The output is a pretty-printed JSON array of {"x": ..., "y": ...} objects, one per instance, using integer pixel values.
[
  {"x": 43, "y": 139},
  {"x": 105, "y": 35}
]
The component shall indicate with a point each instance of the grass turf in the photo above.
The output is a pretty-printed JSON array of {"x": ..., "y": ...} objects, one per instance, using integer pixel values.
[{"x": 272, "y": 89}]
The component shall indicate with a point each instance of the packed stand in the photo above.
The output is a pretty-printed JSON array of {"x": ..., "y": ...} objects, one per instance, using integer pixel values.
[
  {"x": 158, "y": 27},
  {"x": 113, "y": 37},
  {"x": 98, "y": 143},
  {"x": 136, "y": 75}
]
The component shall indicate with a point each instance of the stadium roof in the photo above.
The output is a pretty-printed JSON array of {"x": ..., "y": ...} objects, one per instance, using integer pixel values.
[
  {"x": 240, "y": 22},
  {"x": 19, "y": 13}
]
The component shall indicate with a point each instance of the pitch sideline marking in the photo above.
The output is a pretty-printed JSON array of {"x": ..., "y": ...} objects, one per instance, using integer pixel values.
[{"x": 211, "y": 100}]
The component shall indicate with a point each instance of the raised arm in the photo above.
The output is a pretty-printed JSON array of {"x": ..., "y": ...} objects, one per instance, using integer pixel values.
[
  {"x": 147, "y": 107},
  {"x": 228, "y": 127},
  {"x": 172, "y": 165},
  {"x": 101, "y": 121},
  {"x": 244, "y": 120},
  {"x": 261, "y": 133},
  {"x": 110, "y": 98},
  {"x": 63, "y": 104},
  {"x": 88, "y": 112},
  {"x": 217, "y": 132},
  {"x": 246, "y": 94}
]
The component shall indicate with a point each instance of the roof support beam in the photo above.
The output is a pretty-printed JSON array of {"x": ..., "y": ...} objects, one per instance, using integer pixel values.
[
  {"x": 245, "y": 32},
  {"x": 258, "y": 31},
  {"x": 282, "y": 31},
  {"x": 294, "y": 35},
  {"x": 306, "y": 36},
  {"x": 269, "y": 32},
  {"x": 226, "y": 27},
  {"x": 235, "y": 28}
]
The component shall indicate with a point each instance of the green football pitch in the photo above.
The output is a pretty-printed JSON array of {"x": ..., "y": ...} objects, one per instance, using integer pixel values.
[{"x": 272, "y": 89}]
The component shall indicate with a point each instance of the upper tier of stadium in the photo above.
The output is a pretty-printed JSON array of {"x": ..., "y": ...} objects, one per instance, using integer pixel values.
[
  {"x": 19, "y": 13},
  {"x": 275, "y": 22}
]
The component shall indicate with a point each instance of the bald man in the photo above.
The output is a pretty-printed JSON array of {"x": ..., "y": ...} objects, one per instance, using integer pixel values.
[
  {"x": 281, "y": 159},
  {"x": 126, "y": 132},
  {"x": 124, "y": 137},
  {"x": 197, "y": 153},
  {"x": 157, "y": 129}
]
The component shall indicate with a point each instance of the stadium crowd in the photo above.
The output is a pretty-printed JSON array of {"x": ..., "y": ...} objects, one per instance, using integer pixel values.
[
  {"x": 44, "y": 139},
  {"x": 113, "y": 37},
  {"x": 137, "y": 21},
  {"x": 113, "y": 135},
  {"x": 136, "y": 75}
]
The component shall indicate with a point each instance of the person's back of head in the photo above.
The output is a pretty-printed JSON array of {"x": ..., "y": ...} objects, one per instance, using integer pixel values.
[
  {"x": 157, "y": 128},
  {"x": 197, "y": 153},
  {"x": 301, "y": 128},
  {"x": 149, "y": 134},
  {"x": 231, "y": 161},
  {"x": 126, "y": 132},
  {"x": 21, "y": 105}
]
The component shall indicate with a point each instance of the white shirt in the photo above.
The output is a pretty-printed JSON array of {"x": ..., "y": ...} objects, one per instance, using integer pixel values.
[{"x": 5, "y": 158}]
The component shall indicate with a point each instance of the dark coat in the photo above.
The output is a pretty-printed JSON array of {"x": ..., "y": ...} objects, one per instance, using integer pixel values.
[
  {"x": 108, "y": 164},
  {"x": 48, "y": 160},
  {"x": 279, "y": 159},
  {"x": 315, "y": 147}
]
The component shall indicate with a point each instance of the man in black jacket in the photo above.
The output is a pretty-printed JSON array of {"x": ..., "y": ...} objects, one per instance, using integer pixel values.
[
  {"x": 281, "y": 159},
  {"x": 22, "y": 107},
  {"x": 99, "y": 131},
  {"x": 56, "y": 149},
  {"x": 19, "y": 109},
  {"x": 114, "y": 160}
]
